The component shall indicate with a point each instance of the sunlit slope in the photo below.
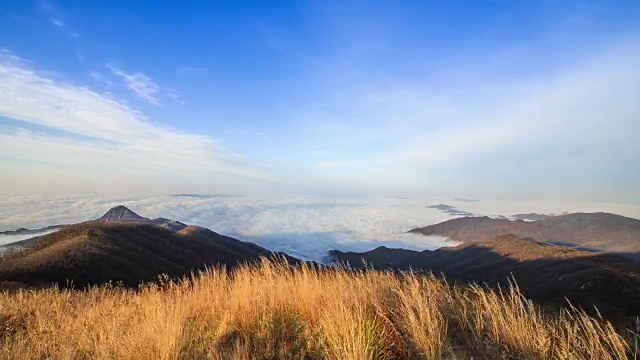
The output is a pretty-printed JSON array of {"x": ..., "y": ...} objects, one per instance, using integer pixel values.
[{"x": 273, "y": 311}]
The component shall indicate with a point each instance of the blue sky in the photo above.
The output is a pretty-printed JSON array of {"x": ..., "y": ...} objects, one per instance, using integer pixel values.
[{"x": 485, "y": 99}]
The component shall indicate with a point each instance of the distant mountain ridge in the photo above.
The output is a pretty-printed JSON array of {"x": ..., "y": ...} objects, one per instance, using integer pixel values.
[
  {"x": 587, "y": 231},
  {"x": 531, "y": 216},
  {"x": 24, "y": 231}
]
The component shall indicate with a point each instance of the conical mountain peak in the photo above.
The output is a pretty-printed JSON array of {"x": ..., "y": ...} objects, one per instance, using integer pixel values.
[{"x": 119, "y": 213}]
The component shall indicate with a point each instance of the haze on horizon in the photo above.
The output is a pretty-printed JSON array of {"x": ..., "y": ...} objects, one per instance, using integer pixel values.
[{"x": 499, "y": 99}]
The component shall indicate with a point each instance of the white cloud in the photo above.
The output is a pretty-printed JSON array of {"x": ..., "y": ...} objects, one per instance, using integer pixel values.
[
  {"x": 55, "y": 17},
  {"x": 592, "y": 100},
  {"x": 449, "y": 129},
  {"x": 100, "y": 78},
  {"x": 142, "y": 85},
  {"x": 99, "y": 132},
  {"x": 57, "y": 23}
]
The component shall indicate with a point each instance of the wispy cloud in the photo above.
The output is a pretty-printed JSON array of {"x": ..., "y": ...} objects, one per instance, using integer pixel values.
[
  {"x": 98, "y": 132},
  {"x": 142, "y": 85},
  {"x": 57, "y": 22},
  {"x": 472, "y": 127},
  {"x": 558, "y": 119},
  {"x": 55, "y": 17},
  {"x": 100, "y": 78}
]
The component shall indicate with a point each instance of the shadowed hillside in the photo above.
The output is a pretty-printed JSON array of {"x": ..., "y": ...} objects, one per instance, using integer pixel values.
[
  {"x": 543, "y": 271},
  {"x": 587, "y": 231},
  {"x": 98, "y": 252}
]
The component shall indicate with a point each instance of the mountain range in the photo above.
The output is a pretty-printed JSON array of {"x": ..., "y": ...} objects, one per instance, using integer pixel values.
[
  {"x": 585, "y": 231},
  {"x": 587, "y": 258},
  {"x": 571, "y": 256}
]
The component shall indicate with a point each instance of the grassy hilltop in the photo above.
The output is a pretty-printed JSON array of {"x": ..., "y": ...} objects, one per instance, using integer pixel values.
[{"x": 271, "y": 311}]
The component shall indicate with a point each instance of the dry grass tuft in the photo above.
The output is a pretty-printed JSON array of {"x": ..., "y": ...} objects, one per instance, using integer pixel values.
[{"x": 272, "y": 311}]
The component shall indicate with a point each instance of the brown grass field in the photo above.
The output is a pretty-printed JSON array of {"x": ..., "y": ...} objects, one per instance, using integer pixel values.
[{"x": 271, "y": 311}]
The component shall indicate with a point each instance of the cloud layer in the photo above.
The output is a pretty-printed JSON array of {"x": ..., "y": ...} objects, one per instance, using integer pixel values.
[
  {"x": 306, "y": 227},
  {"x": 7, "y": 239}
]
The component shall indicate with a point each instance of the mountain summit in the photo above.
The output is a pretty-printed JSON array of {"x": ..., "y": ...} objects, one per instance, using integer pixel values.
[{"x": 120, "y": 213}]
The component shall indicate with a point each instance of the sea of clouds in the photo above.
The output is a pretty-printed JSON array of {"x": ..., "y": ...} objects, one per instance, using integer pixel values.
[
  {"x": 8, "y": 239},
  {"x": 306, "y": 227}
]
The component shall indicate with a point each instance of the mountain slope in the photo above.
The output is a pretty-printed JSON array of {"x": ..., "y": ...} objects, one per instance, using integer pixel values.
[
  {"x": 121, "y": 246},
  {"x": 587, "y": 231},
  {"x": 543, "y": 271}
]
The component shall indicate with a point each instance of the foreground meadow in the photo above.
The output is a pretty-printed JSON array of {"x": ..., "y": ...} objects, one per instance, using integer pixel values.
[{"x": 270, "y": 310}]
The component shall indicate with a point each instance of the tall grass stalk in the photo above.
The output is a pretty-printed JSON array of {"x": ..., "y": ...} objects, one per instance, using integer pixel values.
[{"x": 273, "y": 311}]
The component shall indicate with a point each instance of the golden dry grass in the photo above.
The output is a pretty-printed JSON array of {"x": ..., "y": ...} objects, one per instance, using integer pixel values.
[{"x": 271, "y": 311}]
